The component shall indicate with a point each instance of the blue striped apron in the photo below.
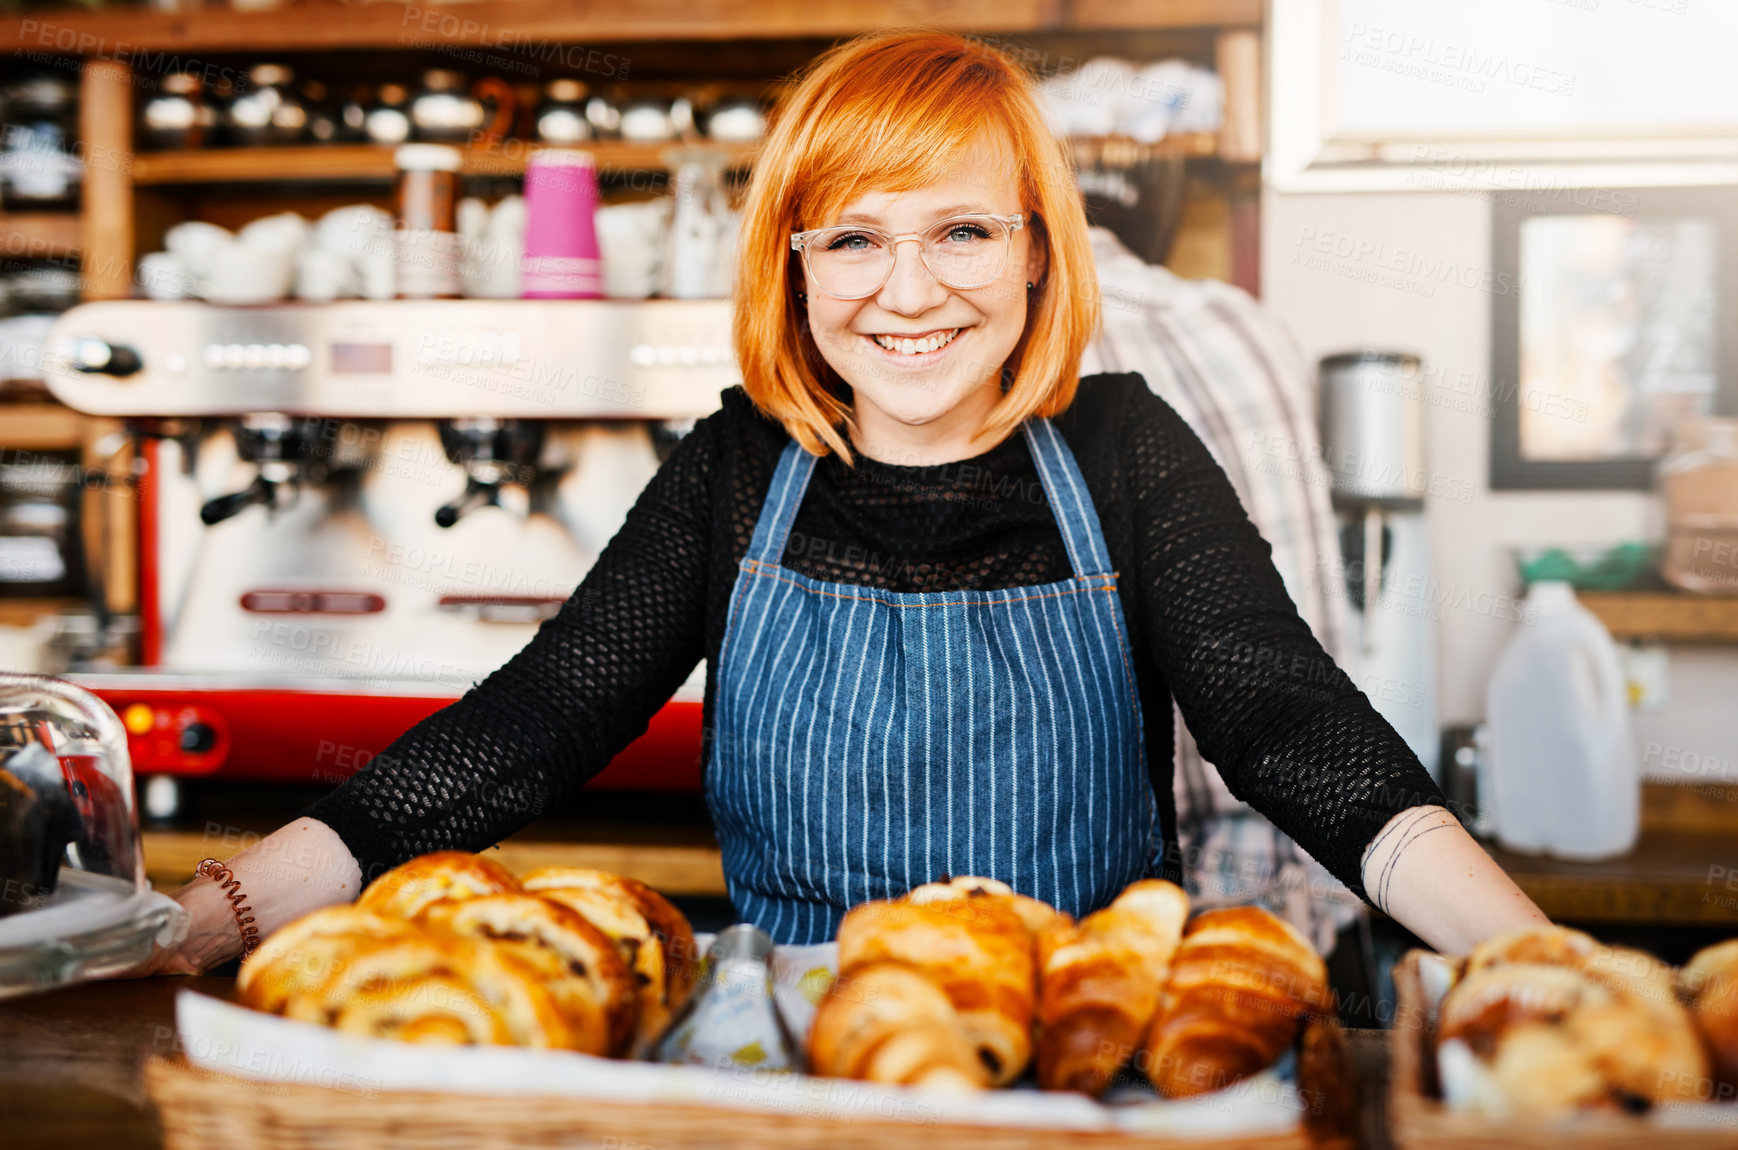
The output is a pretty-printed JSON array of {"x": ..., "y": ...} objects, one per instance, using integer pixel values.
[{"x": 867, "y": 741}]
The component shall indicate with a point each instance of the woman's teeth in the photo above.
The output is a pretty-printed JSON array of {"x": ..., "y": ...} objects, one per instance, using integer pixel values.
[{"x": 917, "y": 346}]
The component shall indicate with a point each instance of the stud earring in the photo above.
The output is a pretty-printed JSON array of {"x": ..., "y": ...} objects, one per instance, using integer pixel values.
[
  {"x": 802, "y": 297},
  {"x": 1030, "y": 286}
]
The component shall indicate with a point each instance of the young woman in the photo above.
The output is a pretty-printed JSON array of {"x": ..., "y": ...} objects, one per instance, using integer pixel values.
[{"x": 945, "y": 588}]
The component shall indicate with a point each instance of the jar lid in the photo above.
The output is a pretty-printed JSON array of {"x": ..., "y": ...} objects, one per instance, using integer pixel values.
[
  {"x": 266, "y": 75},
  {"x": 427, "y": 158},
  {"x": 180, "y": 83},
  {"x": 47, "y": 92},
  {"x": 567, "y": 89},
  {"x": 442, "y": 80}
]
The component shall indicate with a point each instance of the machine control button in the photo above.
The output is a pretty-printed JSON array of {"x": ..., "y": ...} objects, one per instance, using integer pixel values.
[
  {"x": 254, "y": 355},
  {"x": 197, "y": 738},
  {"x": 234, "y": 355},
  {"x": 688, "y": 354},
  {"x": 175, "y": 362},
  {"x": 297, "y": 356},
  {"x": 711, "y": 354},
  {"x": 214, "y": 355},
  {"x": 139, "y": 719},
  {"x": 276, "y": 353},
  {"x": 642, "y": 355},
  {"x": 666, "y": 354}
]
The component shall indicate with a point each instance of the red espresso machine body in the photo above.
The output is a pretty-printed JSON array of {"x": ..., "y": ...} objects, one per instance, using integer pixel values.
[{"x": 351, "y": 512}]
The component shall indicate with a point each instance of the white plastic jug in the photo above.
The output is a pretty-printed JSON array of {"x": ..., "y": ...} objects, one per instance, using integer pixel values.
[{"x": 1563, "y": 767}]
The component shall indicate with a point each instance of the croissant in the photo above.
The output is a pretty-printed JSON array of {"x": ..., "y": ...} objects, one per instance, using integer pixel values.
[
  {"x": 1037, "y": 914},
  {"x": 1537, "y": 945},
  {"x": 976, "y": 950},
  {"x": 652, "y": 936},
  {"x": 404, "y": 890},
  {"x": 887, "y": 1023},
  {"x": 1601, "y": 1031},
  {"x": 1241, "y": 980},
  {"x": 578, "y": 963},
  {"x": 1100, "y": 981},
  {"x": 1709, "y": 984}
]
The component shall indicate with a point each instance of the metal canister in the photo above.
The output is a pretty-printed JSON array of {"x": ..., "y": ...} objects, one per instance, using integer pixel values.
[{"x": 1373, "y": 428}]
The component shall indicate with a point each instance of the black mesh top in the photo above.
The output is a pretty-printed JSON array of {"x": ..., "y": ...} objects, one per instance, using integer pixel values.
[{"x": 1209, "y": 620}]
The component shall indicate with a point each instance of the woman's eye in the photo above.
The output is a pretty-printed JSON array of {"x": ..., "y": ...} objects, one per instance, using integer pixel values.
[
  {"x": 967, "y": 233},
  {"x": 851, "y": 242}
]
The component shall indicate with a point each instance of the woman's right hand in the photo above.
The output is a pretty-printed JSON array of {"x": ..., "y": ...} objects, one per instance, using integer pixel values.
[{"x": 296, "y": 869}]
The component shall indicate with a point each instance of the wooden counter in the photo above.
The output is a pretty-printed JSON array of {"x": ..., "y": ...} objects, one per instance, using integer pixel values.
[
  {"x": 70, "y": 1059},
  {"x": 1682, "y": 872}
]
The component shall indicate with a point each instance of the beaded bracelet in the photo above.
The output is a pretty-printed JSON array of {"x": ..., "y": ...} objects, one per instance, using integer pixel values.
[{"x": 225, "y": 878}]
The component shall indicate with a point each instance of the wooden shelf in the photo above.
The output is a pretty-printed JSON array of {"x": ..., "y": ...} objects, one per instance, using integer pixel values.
[
  {"x": 40, "y": 235},
  {"x": 1669, "y": 616},
  {"x": 524, "y": 26},
  {"x": 373, "y": 162},
  {"x": 170, "y": 857},
  {"x": 25, "y": 612},
  {"x": 319, "y": 162},
  {"x": 41, "y": 427}
]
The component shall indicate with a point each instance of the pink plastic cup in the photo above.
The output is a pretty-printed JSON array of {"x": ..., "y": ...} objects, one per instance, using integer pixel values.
[{"x": 561, "y": 254}]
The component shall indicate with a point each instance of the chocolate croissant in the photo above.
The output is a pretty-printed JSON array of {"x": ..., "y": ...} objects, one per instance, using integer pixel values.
[
  {"x": 403, "y": 891},
  {"x": 887, "y": 1023},
  {"x": 1709, "y": 985},
  {"x": 1566, "y": 1023},
  {"x": 975, "y": 948},
  {"x": 1241, "y": 981},
  {"x": 653, "y": 938},
  {"x": 1100, "y": 981}
]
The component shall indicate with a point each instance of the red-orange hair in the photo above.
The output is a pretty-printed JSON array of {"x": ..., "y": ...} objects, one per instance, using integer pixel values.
[{"x": 894, "y": 112}]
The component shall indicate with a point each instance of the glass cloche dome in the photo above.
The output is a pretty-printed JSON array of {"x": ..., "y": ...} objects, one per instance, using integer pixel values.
[{"x": 74, "y": 901}]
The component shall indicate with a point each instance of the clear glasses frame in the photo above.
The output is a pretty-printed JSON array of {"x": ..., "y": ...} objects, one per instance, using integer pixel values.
[{"x": 805, "y": 242}]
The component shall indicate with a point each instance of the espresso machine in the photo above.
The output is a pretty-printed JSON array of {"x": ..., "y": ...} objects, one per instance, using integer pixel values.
[{"x": 349, "y": 513}]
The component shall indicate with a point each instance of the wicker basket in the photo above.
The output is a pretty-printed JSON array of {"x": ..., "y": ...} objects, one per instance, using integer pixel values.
[
  {"x": 206, "y": 1110},
  {"x": 1420, "y": 1121}
]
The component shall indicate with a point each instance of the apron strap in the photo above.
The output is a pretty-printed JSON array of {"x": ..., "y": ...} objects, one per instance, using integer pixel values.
[
  {"x": 773, "y": 529},
  {"x": 1070, "y": 502}
]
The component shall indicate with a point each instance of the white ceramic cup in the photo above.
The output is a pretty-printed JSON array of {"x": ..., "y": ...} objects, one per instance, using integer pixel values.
[
  {"x": 243, "y": 274},
  {"x": 164, "y": 275},
  {"x": 195, "y": 242},
  {"x": 323, "y": 276}
]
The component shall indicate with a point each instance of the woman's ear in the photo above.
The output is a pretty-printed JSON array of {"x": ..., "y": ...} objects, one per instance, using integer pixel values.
[{"x": 1037, "y": 252}]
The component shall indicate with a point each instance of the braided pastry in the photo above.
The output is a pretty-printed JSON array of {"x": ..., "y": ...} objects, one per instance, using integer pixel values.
[
  {"x": 1100, "y": 981},
  {"x": 887, "y": 1023},
  {"x": 404, "y": 890},
  {"x": 975, "y": 948},
  {"x": 578, "y": 963},
  {"x": 652, "y": 936},
  {"x": 1241, "y": 980}
]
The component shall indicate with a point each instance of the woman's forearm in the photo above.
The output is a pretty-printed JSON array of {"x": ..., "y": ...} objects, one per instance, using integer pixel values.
[
  {"x": 1424, "y": 871},
  {"x": 298, "y": 868}
]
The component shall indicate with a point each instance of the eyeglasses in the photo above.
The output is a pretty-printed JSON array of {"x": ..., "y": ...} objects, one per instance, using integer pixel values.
[{"x": 855, "y": 262}]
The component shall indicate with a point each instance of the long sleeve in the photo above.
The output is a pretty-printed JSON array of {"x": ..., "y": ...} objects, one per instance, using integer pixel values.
[
  {"x": 522, "y": 741},
  {"x": 1291, "y": 734}
]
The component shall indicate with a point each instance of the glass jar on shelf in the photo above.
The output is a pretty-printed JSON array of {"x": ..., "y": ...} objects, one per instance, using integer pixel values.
[
  {"x": 40, "y": 169},
  {"x": 1698, "y": 479}
]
